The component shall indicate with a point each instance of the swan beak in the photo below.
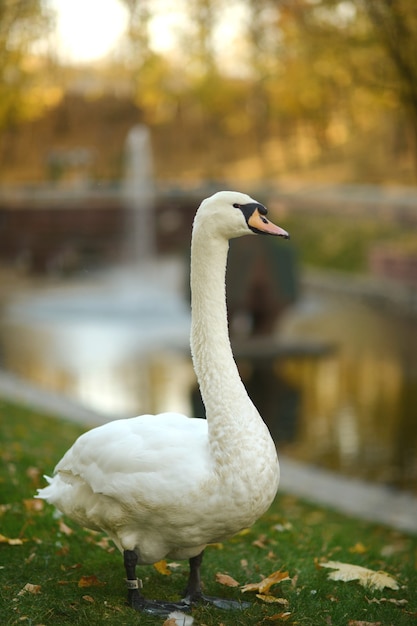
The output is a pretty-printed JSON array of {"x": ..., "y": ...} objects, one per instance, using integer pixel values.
[{"x": 259, "y": 224}]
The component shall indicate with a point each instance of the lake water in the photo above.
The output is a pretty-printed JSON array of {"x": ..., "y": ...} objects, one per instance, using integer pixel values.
[
  {"x": 124, "y": 351},
  {"x": 358, "y": 410}
]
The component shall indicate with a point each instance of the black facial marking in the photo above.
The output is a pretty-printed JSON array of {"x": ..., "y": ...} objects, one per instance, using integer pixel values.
[{"x": 248, "y": 209}]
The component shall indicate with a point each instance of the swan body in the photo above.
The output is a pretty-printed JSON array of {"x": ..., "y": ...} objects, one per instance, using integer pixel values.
[{"x": 168, "y": 485}]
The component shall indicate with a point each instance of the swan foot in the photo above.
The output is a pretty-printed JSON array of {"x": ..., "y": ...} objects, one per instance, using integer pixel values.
[
  {"x": 219, "y": 603},
  {"x": 154, "y": 607},
  {"x": 136, "y": 600},
  {"x": 194, "y": 595}
]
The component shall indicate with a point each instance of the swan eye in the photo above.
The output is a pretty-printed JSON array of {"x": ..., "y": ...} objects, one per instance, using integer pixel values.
[{"x": 237, "y": 206}]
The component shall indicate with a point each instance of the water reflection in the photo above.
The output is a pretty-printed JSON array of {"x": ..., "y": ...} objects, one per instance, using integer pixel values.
[
  {"x": 111, "y": 344},
  {"x": 352, "y": 408},
  {"x": 358, "y": 405}
]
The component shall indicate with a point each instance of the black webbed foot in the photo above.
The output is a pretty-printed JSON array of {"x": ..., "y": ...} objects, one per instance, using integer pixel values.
[
  {"x": 136, "y": 600},
  {"x": 194, "y": 595},
  {"x": 219, "y": 603},
  {"x": 154, "y": 607}
]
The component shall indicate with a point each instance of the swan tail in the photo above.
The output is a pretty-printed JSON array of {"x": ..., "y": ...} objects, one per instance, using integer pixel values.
[{"x": 43, "y": 492}]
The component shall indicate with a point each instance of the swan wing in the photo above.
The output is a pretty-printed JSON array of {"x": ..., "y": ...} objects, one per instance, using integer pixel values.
[{"x": 145, "y": 458}]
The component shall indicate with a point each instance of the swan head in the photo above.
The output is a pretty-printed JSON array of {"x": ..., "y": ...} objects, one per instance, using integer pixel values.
[{"x": 231, "y": 214}]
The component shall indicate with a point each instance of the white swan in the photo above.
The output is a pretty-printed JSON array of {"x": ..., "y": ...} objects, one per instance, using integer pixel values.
[{"x": 167, "y": 485}]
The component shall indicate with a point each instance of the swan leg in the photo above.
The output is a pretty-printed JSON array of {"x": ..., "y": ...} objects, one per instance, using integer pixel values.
[
  {"x": 136, "y": 600},
  {"x": 194, "y": 595}
]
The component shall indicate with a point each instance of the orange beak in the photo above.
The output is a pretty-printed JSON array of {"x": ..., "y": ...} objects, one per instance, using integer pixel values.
[{"x": 260, "y": 224}]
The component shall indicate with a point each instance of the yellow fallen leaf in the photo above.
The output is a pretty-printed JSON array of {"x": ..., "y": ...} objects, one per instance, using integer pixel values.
[
  {"x": 225, "y": 579},
  {"x": 366, "y": 577},
  {"x": 272, "y": 599},
  {"x": 29, "y": 588},
  {"x": 264, "y": 585},
  {"x": 358, "y": 548},
  {"x": 90, "y": 581},
  {"x": 12, "y": 542},
  {"x": 162, "y": 568},
  {"x": 89, "y": 599}
]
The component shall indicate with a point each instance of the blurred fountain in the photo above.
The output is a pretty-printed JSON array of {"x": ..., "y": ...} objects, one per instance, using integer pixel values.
[
  {"x": 115, "y": 341},
  {"x": 139, "y": 194}
]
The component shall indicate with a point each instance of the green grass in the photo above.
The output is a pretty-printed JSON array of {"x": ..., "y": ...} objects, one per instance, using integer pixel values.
[{"x": 291, "y": 536}]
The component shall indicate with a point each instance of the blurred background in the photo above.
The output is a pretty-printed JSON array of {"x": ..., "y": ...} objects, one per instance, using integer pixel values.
[{"x": 117, "y": 117}]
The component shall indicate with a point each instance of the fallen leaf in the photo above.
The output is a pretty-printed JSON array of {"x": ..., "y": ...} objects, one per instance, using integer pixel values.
[
  {"x": 33, "y": 473},
  {"x": 29, "y": 588},
  {"x": 12, "y": 542},
  {"x": 4, "y": 508},
  {"x": 34, "y": 505},
  {"x": 260, "y": 541},
  {"x": 30, "y": 558},
  {"x": 354, "y": 622},
  {"x": 105, "y": 544},
  {"x": 161, "y": 567},
  {"x": 272, "y": 599},
  {"x": 90, "y": 581},
  {"x": 366, "y": 577},
  {"x": 358, "y": 548},
  {"x": 63, "y": 528},
  {"x": 89, "y": 599},
  {"x": 278, "y": 617},
  {"x": 389, "y": 550},
  {"x": 225, "y": 579},
  {"x": 264, "y": 585},
  {"x": 391, "y": 600}
]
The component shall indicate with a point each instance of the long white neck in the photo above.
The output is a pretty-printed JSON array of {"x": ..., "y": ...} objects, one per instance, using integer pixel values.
[{"x": 228, "y": 407}]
